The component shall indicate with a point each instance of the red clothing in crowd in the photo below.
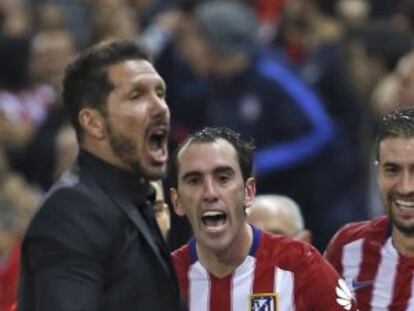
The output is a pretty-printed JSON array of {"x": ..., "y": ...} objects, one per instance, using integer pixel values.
[{"x": 9, "y": 276}]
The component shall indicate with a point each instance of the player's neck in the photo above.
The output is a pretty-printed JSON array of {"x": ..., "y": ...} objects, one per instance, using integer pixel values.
[
  {"x": 403, "y": 243},
  {"x": 223, "y": 263}
]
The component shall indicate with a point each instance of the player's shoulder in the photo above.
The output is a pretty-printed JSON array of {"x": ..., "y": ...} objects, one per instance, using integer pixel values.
[
  {"x": 286, "y": 252},
  {"x": 360, "y": 230},
  {"x": 181, "y": 256}
]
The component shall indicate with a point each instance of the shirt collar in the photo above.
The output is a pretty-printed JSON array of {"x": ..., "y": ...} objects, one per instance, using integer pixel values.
[{"x": 117, "y": 180}]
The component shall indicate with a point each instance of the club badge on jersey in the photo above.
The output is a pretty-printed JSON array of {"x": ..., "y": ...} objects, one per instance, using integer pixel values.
[{"x": 263, "y": 302}]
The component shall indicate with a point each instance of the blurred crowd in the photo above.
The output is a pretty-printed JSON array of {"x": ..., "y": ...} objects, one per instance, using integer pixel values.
[{"x": 306, "y": 79}]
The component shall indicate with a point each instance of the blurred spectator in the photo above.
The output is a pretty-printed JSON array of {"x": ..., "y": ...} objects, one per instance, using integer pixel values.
[
  {"x": 75, "y": 15},
  {"x": 66, "y": 150},
  {"x": 405, "y": 81},
  {"x": 17, "y": 20},
  {"x": 404, "y": 17},
  {"x": 50, "y": 18},
  {"x": 278, "y": 214},
  {"x": 162, "y": 211},
  {"x": 51, "y": 52},
  {"x": 114, "y": 19},
  {"x": 23, "y": 198},
  {"x": 353, "y": 14},
  {"x": 9, "y": 255},
  {"x": 374, "y": 53}
]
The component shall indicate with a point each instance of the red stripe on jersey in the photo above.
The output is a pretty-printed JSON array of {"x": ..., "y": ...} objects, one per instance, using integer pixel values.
[
  {"x": 368, "y": 270},
  {"x": 220, "y": 293},
  {"x": 181, "y": 264},
  {"x": 402, "y": 287}
]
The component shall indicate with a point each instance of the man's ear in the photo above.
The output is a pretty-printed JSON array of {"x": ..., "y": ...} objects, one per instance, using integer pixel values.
[
  {"x": 175, "y": 201},
  {"x": 92, "y": 122},
  {"x": 250, "y": 191}
]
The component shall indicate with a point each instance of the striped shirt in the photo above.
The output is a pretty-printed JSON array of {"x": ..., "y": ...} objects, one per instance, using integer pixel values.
[
  {"x": 278, "y": 274},
  {"x": 379, "y": 276}
]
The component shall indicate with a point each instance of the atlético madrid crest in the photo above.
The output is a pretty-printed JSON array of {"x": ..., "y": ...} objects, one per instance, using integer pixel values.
[{"x": 263, "y": 302}]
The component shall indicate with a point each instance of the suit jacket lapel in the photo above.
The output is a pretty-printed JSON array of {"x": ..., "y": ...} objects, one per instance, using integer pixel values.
[{"x": 132, "y": 212}]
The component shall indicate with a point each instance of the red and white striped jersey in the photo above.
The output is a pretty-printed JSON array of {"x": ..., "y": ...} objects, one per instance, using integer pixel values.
[
  {"x": 381, "y": 278},
  {"x": 279, "y": 274}
]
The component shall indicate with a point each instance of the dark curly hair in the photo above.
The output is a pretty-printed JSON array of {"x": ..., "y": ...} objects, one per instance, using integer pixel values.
[{"x": 398, "y": 123}]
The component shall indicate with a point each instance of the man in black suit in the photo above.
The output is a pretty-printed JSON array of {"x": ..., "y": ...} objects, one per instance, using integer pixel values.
[{"x": 94, "y": 243}]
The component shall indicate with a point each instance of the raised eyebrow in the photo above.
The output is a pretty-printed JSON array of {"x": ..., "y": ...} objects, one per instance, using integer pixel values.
[
  {"x": 389, "y": 164},
  {"x": 224, "y": 169}
]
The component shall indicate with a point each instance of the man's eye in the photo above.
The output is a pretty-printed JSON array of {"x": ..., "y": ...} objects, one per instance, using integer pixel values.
[
  {"x": 223, "y": 178},
  {"x": 192, "y": 181},
  {"x": 134, "y": 96},
  {"x": 390, "y": 170},
  {"x": 161, "y": 93}
]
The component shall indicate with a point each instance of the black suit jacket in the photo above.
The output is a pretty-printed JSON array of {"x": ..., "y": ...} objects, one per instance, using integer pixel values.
[{"x": 89, "y": 247}]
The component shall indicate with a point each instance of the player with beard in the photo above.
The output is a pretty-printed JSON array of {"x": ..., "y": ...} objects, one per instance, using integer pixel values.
[
  {"x": 94, "y": 243},
  {"x": 376, "y": 257}
]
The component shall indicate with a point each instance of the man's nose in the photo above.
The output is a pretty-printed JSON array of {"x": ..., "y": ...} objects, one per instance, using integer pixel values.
[
  {"x": 406, "y": 184},
  {"x": 159, "y": 106},
  {"x": 209, "y": 190}
]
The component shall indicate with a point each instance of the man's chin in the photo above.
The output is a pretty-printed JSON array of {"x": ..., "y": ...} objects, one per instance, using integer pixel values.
[{"x": 404, "y": 227}]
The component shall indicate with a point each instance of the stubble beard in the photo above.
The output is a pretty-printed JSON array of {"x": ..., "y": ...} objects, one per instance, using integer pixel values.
[
  {"x": 127, "y": 151},
  {"x": 407, "y": 229}
]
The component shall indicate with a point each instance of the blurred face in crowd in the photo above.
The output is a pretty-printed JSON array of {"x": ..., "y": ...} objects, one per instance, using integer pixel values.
[
  {"x": 396, "y": 181},
  {"x": 162, "y": 212},
  {"x": 212, "y": 194},
  {"x": 405, "y": 75},
  {"x": 272, "y": 217},
  {"x": 194, "y": 47},
  {"x": 137, "y": 119},
  {"x": 51, "y": 53},
  {"x": 276, "y": 214}
]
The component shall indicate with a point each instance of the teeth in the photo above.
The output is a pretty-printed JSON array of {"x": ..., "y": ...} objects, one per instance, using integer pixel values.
[
  {"x": 404, "y": 204},
  {"x": 212, "y": 213},
  {"x": 213, "y": 219}
]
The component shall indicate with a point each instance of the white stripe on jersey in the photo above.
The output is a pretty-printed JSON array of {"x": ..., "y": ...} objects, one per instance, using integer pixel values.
[
  {"x": 242, "y": 284},
  {"x": 351, "y": 261},
  {"x": 284, "y": 287},
  {"x": 199, "y": 281},
  {"x": 384, "y": 281}
]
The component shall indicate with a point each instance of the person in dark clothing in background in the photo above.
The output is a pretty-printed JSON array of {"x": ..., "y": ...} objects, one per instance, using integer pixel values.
[
  {"x": 94, "y": 243},
  {"x": 220, "y": 76}
]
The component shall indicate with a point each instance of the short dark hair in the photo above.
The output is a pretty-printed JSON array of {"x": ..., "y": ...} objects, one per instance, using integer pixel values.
[
  {"x": 397, "y": 123},
  {"x": 86, "y": 82},
  {"x": 244, "y": 149}
]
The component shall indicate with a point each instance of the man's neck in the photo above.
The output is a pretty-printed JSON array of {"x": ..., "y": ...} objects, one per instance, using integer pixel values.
[
  {"x": 224, "y": 262},
  {"x": 404, "y": 243}
]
